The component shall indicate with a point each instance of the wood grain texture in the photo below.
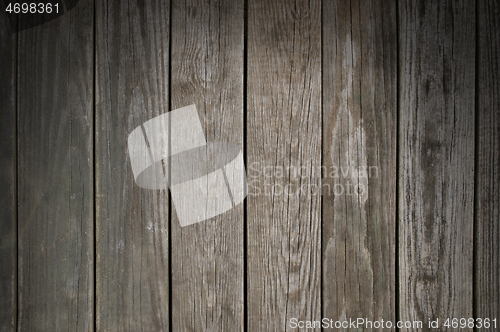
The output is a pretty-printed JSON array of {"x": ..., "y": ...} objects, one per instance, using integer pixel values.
[
  {"x": 436, "y": 157},
  {"x": 55, "y": 148},
  {"x": 359, "y": 155},
  {"x": 487, "y": 259},
  {"x": 8, "y": 181},
  {"x": 284, "y": 159},
  {"x": 132, "y": 272},
  {"x": 207, "y": 70}
]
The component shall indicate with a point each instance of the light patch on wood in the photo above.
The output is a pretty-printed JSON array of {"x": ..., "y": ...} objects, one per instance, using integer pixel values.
[{"x": 348, "y": 132}]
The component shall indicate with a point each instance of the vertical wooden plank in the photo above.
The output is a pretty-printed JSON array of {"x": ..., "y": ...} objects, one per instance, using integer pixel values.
[
  {"x": 359, "y": 155},
  {"x": 132, "y": 61},
  {"x": 55, "y": 116},
  {"x": 8, "y": 183},
  {"x": 207, "y": 70},
  {"x": 437, "y": 62},
  {"x": 487, "y": 259},
  {"x": 284, "y": 162}
]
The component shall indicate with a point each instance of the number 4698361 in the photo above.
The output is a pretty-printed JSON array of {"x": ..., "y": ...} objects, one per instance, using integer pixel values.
[
  {"x": 480, "y": 323},
  {"x": 32, "y": 8}
]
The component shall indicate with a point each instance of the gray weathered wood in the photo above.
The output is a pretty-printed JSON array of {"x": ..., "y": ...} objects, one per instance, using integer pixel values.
[
  {"x": 436, "y": 157},
  {"x": 316, "y": 107},
  {"x": 359, "y": 155},
  {"x": 207, "y": 257},
  {"x": 487, "y": 259},
  {"x": 284, "y": 156},
  {"x": 55, "y": 147},
  {"x": 8, "y": 206},
  {"x": 132, "y": 225}
]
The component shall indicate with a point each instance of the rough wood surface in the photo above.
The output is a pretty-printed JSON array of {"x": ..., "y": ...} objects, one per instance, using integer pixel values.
[
  {"x": 436, "y": 157},
  {"x": 8, "y": 183},
  {"x": 487, "y": 259},
  {"x": 359, "y": 155},
  {"x": 284, "y": 159},
  {"x": 321, "y": 119},
  {"x": 55, "y": 147},
  {"x": 132, "y": 65},
  {"x": 207, "y": 257}
]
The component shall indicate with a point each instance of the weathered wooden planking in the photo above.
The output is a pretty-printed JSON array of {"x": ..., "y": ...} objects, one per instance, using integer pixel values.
[
  {"x": 284, "y": 161},
  {"x": 436, "y": 157},
  {"x": 55, "y": 172},
  {"x": 8, "y": 193},
  {"x": 359, "y": 155},
  {"x": 207, "y": 257},
  {"x": 132, "y": 65},
  {"x": 487, "y": 259}
]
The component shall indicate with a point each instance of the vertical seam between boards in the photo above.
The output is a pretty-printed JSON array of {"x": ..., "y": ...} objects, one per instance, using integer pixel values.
[
  {"x": 245, "y": 157},
  {"x": 169, "y": 107},
  {"x": 476, "y": 168},
  {"x": 321, "y": 295},
  {"x": 398, "y": 164},
  {"x": 16, "y": 179},
  {"x": 94, "y": 129}
]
